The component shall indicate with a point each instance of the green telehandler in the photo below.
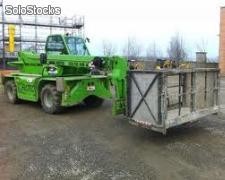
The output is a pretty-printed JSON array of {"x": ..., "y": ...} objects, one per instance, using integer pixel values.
[{"x": 66, "y": 75}]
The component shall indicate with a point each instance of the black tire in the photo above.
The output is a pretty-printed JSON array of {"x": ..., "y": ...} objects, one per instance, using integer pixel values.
[
  {"x": 11, "y": 91},
  {"x": 93, "y": 101},
  {"x": 51, "y": 99}
]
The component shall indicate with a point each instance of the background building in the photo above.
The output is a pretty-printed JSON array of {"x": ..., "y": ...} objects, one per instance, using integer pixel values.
[{"x": 31, "y": 32}]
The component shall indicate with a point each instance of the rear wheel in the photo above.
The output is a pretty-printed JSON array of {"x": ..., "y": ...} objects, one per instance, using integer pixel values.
[
  {"x": 51, "y": 99},
  {"x": 11, "y": 91},
  {"x": 93, "y": 101}
]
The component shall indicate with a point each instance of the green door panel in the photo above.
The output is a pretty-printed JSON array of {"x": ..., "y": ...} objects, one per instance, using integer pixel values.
[{"x": 26, "y": 87}]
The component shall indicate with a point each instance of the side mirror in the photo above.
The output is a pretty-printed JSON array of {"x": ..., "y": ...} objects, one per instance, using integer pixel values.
[
  {"x": 43, "y": 58},
  {"x": 87, "y": 40}
]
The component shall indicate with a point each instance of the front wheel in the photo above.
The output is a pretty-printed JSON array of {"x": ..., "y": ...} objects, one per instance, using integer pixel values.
[
  {"x": 11, "y": 91},
  {"x": 51, "y": 99},
  {"x": 93, "y": 101}
]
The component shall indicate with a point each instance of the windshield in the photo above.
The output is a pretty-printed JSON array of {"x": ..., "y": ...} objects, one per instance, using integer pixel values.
[{"x": 76, "y": 46}]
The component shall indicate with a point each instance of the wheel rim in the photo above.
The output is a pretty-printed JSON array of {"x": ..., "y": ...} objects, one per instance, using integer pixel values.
[
  {"x": 10, "y": 92},
  {"x": 48, "y": 99}
]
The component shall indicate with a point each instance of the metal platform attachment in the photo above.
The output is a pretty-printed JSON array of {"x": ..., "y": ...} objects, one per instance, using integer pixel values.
[{"x": 161, "y": 99}]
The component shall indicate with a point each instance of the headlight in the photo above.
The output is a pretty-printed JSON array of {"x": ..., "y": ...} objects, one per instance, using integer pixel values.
[{"x": 52, "y": 71}]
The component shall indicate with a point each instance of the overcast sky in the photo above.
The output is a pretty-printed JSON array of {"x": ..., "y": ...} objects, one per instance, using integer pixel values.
[{"x": 147, "y": 20}]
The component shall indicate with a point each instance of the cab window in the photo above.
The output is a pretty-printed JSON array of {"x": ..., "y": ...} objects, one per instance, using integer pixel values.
[
  {"x": 76, "y": 46},
  {"x": 55, "y": 44}
]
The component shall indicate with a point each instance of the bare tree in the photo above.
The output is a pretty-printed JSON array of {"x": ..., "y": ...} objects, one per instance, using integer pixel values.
[
  {"x": 202, "y": 45},
  {"x": 132, "y": 48},
  {"x": 176, "y": 49},
  {"x": 108, "y": 48},
  {"x": 153, "y": 52}
]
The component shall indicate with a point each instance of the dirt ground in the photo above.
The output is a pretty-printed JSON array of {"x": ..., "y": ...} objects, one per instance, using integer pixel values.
[{"x": 92, "y": 144}]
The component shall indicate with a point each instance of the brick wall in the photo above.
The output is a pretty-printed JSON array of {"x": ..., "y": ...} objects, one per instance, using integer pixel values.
[{"x": 222, "y": 41}]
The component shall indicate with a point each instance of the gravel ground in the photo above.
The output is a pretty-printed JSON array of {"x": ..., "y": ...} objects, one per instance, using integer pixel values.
[{"x": 92, "y": 144}]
